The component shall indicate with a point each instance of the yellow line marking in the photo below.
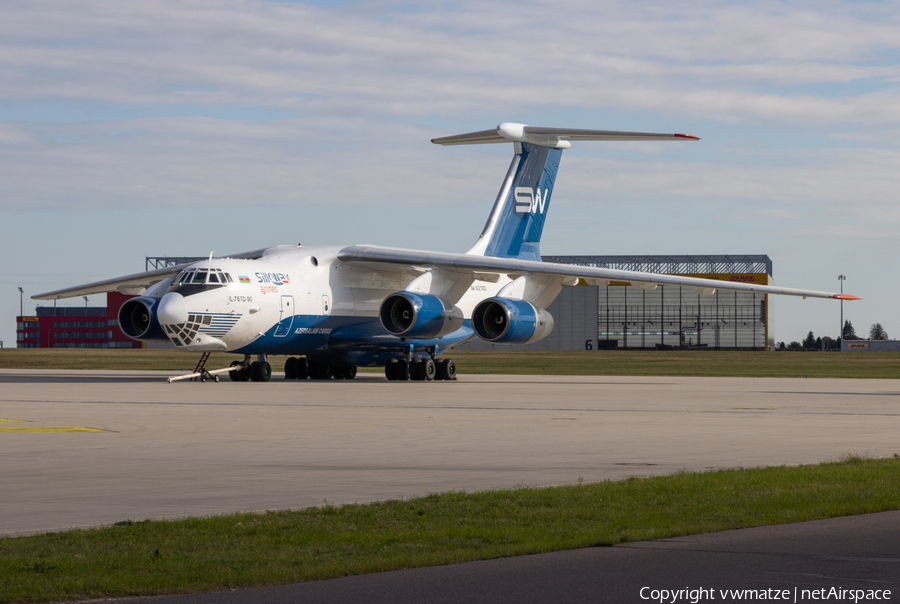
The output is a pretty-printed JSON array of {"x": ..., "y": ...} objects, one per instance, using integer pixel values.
[
  {"x": 51, "y": 430},
  {"x": 24, "y": 421}
]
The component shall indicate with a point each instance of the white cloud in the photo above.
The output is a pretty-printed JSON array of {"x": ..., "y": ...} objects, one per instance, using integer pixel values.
[
  {"x": 714, "y": 59},
  {"x": 201, "y": 162}
]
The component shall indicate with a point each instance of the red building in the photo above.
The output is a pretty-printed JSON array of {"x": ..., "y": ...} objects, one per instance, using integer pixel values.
[{"x": 75, "y": 327}]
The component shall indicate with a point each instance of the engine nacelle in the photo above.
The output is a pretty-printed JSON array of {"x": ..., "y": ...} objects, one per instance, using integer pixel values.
[
  {"x": 506, "y": 321},
  {"x": 413, "y": 315},
  {"x": 138, "y": 320}
]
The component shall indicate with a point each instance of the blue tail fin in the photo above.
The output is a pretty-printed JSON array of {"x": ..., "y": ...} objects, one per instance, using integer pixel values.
[{"x": 514, "y": 227}]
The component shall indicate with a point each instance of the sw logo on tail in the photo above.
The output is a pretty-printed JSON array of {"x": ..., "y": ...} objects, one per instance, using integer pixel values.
[{"x": 530, "y": 201}]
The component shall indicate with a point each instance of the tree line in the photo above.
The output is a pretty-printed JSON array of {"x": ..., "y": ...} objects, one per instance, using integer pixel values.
[{"x": 876, "y": 332}]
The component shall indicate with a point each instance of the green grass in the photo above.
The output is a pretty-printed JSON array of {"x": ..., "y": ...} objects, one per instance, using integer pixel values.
[
  {"x": 244, "y": 550},
  {"x": 549, "y": 362},
  {"x": 721, "y": 363}
]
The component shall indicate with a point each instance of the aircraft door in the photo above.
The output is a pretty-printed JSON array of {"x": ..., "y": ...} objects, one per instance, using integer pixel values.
[{"x": 286, "y": 319}]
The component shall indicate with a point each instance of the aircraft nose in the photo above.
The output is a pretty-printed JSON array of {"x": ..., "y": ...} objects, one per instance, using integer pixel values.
[{"x": 172, "y": 309}]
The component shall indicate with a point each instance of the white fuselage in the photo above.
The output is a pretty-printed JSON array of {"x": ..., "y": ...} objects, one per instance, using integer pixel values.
[{"x": 292, "y": 300}]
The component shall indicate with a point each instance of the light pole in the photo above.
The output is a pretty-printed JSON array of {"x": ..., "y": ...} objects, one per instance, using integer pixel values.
[
  {"x": 841, "y": 278},
  {"x": 21, "y": 308},
  {"x": 85, "y": 300}
]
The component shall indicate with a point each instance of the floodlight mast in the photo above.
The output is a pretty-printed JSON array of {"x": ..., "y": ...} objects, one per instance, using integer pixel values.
[{"x": 842, "y": 278}]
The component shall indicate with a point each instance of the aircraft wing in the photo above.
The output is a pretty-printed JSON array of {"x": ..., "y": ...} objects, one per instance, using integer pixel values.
[
  {"x": 134, "y": 284},
  {"x": 129, "y": 284},
  {"x": 385, "y": 257}
]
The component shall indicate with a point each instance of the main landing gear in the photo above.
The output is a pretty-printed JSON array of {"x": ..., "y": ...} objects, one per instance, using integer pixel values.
[
  {"x": 420, "y": 370},
  {"x": 303, "y": 367}
]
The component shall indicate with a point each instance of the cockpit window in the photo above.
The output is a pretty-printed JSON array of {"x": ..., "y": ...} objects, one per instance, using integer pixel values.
[{"x": 193, "y": 281}]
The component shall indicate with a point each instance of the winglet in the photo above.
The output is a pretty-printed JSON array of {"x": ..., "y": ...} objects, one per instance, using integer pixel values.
[{"x": 845, "y": 297}]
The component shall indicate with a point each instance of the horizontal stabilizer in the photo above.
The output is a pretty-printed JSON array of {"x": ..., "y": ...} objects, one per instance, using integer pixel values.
[{"x": 558, "y": 138}]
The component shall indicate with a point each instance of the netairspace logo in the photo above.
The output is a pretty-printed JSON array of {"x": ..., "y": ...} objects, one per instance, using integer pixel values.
[{"x": 837, "y": 594}]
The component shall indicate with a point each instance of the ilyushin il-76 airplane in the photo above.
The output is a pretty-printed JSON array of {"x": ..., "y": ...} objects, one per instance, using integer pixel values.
[{"x": 331, "y": 309}]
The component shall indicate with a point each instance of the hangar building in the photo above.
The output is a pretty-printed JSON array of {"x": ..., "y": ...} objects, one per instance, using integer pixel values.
[
  {"x": 619, "y": 316},
  {"x": 75, "y": 327}
]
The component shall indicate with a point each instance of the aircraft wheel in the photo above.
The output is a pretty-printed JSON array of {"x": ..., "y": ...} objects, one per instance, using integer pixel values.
[
  {"x": 402, "y": 370},
  {"x": 390, "y": 370},
  {"x": 251, "y": 371},
  {"x": 263, "y": 372},
  {"x": 415, "y": 371},
  {"x": 302, "y": 369},
  {"x": 337, "y": 373},
  {"x": 325, "y": 372},
  {"x": 236, "y": 374},
  {"x": 290, "y": 369},
  {"x": 313, "y": 369},
  {"x": 447, "y": 369},
  {"x": 349, "y": 372},
  {"x": 427, "y": 369}
]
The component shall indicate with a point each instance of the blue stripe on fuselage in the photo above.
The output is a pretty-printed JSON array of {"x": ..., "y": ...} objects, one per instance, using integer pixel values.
[{"x": 362, "y": 341}]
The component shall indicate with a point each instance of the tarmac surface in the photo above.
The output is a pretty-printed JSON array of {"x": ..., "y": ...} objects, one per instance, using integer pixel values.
[
  {"x": 853, "y": 559},
  {"x": 190, "y": 448},
  {"x": 86, "y": 448}
]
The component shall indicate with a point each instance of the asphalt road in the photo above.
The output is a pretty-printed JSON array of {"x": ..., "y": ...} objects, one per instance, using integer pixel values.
[{"x": 191, "y": 448}]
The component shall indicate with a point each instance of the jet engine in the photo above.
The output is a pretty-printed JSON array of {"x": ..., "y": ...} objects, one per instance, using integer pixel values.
[
  {"x": 507, "y": 321},
  {"x": 413, "y": 315},
  {"x": 138, "y": 320}
]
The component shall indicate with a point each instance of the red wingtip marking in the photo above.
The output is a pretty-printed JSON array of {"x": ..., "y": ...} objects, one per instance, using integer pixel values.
[
  {"x": 696, "y": 138},
  {"x": 845, "y": 297}
]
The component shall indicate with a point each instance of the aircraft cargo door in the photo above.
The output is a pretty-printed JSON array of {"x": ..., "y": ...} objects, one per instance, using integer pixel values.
[{"x": 287, "y": 317}]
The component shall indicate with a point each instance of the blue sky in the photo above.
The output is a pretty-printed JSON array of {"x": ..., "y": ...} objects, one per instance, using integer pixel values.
[{"x": 184, "y": 127}]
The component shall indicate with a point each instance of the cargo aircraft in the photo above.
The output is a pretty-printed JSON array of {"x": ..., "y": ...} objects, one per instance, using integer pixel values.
[{"x": 331, "y": 309}]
